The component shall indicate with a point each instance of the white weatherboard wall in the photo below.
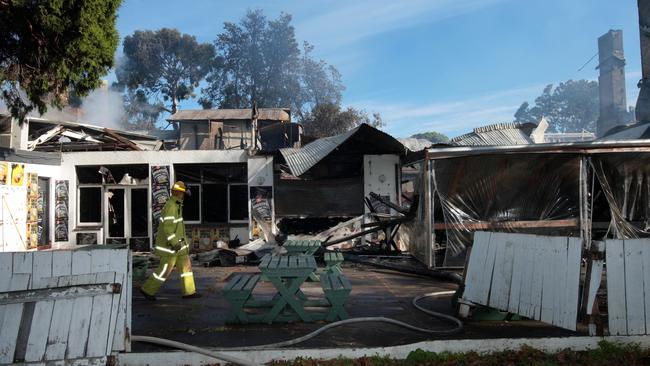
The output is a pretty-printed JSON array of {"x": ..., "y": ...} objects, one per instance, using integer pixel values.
[
  {"x": 628, "y": 286},
  {"x": 13, "y": 208},
  {"x": 380, "y": 176},
  {"x": 531, "y": 275},
  {"x": 72, "y": 309}
]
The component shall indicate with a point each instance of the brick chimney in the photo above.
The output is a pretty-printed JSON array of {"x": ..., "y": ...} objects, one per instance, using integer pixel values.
[{"x": 611, "y": 82}]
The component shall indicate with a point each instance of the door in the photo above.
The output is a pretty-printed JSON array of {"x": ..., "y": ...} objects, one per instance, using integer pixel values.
[
  {"x": 43, "y": 211},
  {"x": 126, "y": 213}
]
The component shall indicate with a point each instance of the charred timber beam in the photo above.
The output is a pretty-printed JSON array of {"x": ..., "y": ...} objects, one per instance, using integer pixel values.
[
  {"x": 389, "y": 203},
  {"x": 352, "y": 236},
  {"x": 121, "y": 139},
  {"x": 59, "y": 293}
]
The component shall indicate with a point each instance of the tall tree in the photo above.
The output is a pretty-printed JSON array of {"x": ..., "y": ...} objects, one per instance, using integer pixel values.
[
  {"x": 164, "y": 66},
  {"x": 329, "y": 119},
  {"x": 259, "y": 59},
  {"x": 572, "y": 106},
  {"x": 48, "y": 46},
  {"x": 139, "y": 113}
]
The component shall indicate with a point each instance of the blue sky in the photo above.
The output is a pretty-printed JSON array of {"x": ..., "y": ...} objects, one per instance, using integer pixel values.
[{"x": 443, "y": 65}]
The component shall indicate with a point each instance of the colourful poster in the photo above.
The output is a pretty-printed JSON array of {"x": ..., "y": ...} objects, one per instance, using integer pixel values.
[
  {"x": 61, "y": 210},
  {"x": 17, "y": 174},
  {"x": 159, "y": 193},
  {"x": 32, "y": 210},
  {"x": 4, "y": 172}
]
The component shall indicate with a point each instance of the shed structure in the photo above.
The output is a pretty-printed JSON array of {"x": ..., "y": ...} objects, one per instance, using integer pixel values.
[{"x": 591, "y": 190}]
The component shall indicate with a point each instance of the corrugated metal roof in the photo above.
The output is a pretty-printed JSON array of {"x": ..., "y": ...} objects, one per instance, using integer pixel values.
[
  {"x": 272, "y": 114},
  {"x": 300, "y": 160},
  {"x": 582, "y": 147},
  {"x": 497, "y": 135},
  {"x": 640, "y": 130}
]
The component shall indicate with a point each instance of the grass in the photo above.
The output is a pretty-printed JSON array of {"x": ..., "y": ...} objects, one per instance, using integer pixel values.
[{"x": 606, "y": 354}]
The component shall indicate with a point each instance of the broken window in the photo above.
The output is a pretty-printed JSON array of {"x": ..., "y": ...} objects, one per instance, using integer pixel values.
[
  {"x": 238, "y": 207},
  {"x": 89, "y": 201},
  {"x": 214, "y": 201},
  {"x": 139, "y": 213},
  {"x": 192, "y": 204}
]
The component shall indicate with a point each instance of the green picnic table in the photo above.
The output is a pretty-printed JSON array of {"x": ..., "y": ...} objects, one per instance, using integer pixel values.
[{"x": 286, "y": 273}]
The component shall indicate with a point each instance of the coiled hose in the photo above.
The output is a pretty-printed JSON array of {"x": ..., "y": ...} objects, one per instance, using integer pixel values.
[{"x": 220, "y": 356}]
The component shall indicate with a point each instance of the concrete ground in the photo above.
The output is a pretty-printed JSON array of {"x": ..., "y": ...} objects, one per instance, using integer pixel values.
[{"x": 375, "y": 293}]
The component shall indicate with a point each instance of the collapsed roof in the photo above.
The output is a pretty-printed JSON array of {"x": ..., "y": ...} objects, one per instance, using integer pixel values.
[
  {"x": 48, "y": 135},
  {"x": 363, "y": 139}
]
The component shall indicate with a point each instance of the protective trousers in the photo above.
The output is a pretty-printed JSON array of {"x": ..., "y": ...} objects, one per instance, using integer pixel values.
[{"x": 160, "y": 274}]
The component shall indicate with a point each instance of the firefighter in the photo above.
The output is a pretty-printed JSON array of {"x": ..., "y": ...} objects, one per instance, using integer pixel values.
[{"x": 172, "y": 248}]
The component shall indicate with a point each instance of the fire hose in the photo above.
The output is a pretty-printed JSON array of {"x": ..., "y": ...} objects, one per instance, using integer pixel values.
[{"x": 458, "y": 327}]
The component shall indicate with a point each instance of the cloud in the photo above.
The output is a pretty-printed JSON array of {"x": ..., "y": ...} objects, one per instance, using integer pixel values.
[
  {"x": 353, "y": 21},
  {"x": 459, "y": 116},
  {"x": 452, "y": 117}
]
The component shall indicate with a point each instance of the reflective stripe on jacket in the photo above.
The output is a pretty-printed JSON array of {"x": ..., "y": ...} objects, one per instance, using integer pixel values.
[{"x": 171, "y": 239}]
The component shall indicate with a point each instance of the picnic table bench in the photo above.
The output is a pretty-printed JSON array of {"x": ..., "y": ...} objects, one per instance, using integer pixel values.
[
  {"x": 238, "y": 291},
  {"x": 333, "y": 262},
  {"x": 286, "y": 273},
  {"x": 337, "y": 288}
]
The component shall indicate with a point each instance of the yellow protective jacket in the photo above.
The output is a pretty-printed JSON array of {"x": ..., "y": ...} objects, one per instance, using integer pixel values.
[{"x": 171, "y": 239}]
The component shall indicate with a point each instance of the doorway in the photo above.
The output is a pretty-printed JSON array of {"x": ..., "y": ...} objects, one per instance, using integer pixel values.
[{"x": 126, "y": 213}]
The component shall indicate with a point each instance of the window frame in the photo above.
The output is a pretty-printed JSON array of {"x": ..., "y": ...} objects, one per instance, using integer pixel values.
[{"x": 101, "y": 205}]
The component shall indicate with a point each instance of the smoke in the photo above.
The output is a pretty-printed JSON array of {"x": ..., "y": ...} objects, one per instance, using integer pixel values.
[{"x": 102, "y": 107}]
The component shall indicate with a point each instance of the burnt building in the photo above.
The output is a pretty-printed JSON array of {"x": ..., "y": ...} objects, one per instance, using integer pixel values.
[{"x": 224, "y": 129}]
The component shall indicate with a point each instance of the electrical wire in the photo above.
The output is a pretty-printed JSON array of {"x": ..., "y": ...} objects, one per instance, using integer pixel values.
[
  {"x": 586, "y": 63},
  {"x": 457, "y": 329}
]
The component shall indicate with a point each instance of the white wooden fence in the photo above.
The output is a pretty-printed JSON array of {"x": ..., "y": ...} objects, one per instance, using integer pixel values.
[
  {"x": 530, "y": 275},
  {"x": 628, "y": 286},
  {"x": 72, "y": 305}
]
